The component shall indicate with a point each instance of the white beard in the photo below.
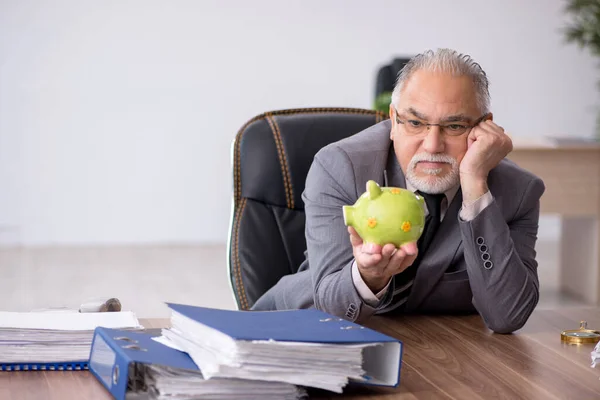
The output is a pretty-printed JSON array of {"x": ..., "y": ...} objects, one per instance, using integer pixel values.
[{"x": 433, "y": 183}]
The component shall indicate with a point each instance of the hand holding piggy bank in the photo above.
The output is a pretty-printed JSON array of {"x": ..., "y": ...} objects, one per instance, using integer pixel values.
[
  {"x": 387, "y": 215},
  {"x": 384, "y": 225}
]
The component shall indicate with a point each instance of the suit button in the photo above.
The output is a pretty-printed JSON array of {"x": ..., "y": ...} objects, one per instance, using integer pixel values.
[
  {"x": 351, "y": 311},
  {"x": 483, "y": 248},
  {"x": 488, "y": 265},
  {"x": 479, "y": 240},
  {"x": 485, "y": 256}
]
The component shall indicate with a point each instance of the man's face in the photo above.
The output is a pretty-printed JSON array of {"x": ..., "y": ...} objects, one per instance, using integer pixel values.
[{"x": 429, "y": 155}]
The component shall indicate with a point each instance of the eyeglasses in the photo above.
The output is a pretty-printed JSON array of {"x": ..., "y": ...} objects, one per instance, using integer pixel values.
[{"x": 416, "y": 127}]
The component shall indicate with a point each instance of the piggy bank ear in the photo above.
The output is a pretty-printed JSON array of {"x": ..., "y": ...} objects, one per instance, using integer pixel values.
[{"x": 373, "y": 189}]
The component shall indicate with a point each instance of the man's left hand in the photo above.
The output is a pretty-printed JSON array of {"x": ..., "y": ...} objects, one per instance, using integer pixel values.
[{"x": 487, "y": 145}]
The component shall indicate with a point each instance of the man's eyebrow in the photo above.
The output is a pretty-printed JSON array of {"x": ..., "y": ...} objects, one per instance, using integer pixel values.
[
  {"x": 416, "y": 113},
  {"x": 451, "y": 118},
  {"x": 457, "y": 118}
]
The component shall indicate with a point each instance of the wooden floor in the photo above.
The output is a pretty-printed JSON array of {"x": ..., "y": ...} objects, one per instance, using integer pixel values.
[{"x": 143, "y": 278}]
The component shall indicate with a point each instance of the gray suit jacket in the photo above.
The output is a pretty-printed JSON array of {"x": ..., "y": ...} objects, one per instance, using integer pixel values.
[{"x": 451, "y": 276}]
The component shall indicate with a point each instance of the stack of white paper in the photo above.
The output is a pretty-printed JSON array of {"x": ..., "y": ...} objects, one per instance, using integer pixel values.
[
  {"x": 53, "y": 338},
  {"x": 323, "y": 365},
  {"x": 167, "y": 383}
]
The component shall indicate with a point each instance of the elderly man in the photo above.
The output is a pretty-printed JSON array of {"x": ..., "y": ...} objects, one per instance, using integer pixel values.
[{"x": 477, "y": 252}]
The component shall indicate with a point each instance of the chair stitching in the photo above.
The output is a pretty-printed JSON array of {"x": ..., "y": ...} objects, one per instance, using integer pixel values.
[
  {"x": 282, "y": 163},
  {"x": 237, "y": 153},
  {"x": 285, "y": 165},
  {"x": 240, "y": 283},
  {"x": 359, "y": 111}
]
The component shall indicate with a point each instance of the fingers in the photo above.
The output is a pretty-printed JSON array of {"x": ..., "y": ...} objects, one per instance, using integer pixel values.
[
  {"x": 366, "y": 260},
  {"x": 386, "y": 253},
  {"x": 371, "y": 248},
  {"x": 494, "y": 125},
  {"x": 355, "y": 239},
  {"x": 403, "y": 258},
  {"x": 472, "y": 137},
  {"x": 387, "y": 258},
  {"x": 411, "y": 255},
  {"x": 374, "y": 256},
  {"x": 498, "y": 135},
  {"x": 410, "y": 248},
  {"x": 487, "y": 132},
  {"x": 491, "y": 127},
  {"x": 477, "y": 133}
]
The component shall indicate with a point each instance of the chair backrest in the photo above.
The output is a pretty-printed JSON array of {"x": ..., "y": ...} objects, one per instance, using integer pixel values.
[
  {"x": 272, "y": 154},
  {"x": 387, "y": 76}
]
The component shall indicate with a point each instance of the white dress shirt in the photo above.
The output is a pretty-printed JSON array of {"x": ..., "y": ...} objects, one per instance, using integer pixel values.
[{"x": 467, "y": 213}]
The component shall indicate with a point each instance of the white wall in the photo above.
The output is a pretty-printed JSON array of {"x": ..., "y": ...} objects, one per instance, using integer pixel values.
[{"x": 116, "y": 117}]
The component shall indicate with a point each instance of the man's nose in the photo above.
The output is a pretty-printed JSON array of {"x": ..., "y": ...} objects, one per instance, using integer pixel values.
[{"x": 434, "y": 139}]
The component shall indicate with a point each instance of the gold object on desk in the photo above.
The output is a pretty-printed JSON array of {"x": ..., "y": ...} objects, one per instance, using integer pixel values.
[{"x": 581, "y": 335}]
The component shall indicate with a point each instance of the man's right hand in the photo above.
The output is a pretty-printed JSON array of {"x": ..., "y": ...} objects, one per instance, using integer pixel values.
[{"x": 377, "y": 264}]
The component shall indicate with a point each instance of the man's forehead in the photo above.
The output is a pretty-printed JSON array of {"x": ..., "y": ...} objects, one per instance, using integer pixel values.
[
  {"x": 437, "y": 103},
  {"x": 437, "y": 87}
]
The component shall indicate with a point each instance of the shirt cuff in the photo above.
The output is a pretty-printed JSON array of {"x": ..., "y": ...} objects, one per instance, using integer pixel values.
[
  {"x": 363, "y": 290},
  {"x": 468, "y": 212}
]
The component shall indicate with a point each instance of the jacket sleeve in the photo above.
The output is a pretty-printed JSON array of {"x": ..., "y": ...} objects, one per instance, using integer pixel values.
[
  {"x": 330, "y": 185},
  {"x": 500, "y": 259}
]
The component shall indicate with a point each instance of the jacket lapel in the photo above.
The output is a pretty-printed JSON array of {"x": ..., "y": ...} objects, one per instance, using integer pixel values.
[
  {"x": 439, "y": 255},
  {"x": 393, "y": 172}
]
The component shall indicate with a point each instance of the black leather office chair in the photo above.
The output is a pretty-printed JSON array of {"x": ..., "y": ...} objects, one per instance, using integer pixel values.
[{"x": 272, "y": 154}]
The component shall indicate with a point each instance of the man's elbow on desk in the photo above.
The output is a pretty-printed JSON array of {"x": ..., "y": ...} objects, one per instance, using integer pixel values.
[
  {"x": 505, "y": 323},
  {"x": 505, "y": 327}
]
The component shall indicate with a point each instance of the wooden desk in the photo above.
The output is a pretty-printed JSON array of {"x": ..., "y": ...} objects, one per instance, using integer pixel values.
[
  {"x": 444, "y": 358},
  {"x": 572, "y": 177}
]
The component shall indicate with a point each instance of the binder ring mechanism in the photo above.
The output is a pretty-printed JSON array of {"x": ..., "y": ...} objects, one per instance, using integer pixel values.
[
  {"x": 132, "y": 346},
  {"x": 115, "y": 376},
  {"x": 342, "y": 327},
  {"x": 125, "y": 339}
]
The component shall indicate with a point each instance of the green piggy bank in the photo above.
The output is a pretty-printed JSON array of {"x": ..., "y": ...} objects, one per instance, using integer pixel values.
[{"x": 387, "y": 215}]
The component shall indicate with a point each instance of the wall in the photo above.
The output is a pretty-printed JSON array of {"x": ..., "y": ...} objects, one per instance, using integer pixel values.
[{"x": 116, "y": 117}]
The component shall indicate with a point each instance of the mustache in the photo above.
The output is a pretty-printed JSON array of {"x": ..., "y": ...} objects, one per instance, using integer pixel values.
[{"x": 442, "y": 158}]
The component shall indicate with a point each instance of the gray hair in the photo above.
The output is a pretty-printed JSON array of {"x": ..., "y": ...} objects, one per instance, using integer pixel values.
[{"x": 450, "y": 61}]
